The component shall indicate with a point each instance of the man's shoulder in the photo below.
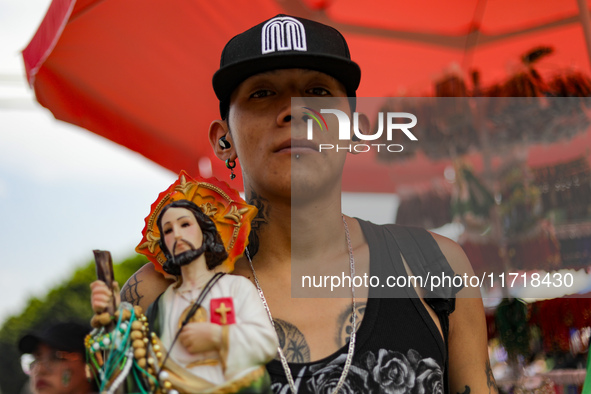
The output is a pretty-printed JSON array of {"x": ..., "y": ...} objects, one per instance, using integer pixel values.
[
  {"x": 450, "y": 249},
  {"x": 399, "y": 233},
  {"x": 454, "y": 254},
  {"x": 447, "y": 245},
  {"x": 366, "y": 224}
]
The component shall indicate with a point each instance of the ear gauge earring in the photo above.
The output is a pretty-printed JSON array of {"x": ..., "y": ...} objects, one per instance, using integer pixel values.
[
  {"x": 355, "y": 138},
  {"x": 224, "y": 144},
  {"x": 231, "y": 164}
]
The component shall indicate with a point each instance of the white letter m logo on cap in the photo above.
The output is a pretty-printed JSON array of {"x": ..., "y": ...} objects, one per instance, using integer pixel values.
[{"x": 283, "y": 34}]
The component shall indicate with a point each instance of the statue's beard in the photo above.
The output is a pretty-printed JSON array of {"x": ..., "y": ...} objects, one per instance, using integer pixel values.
[{"x": 186, "y": 257}]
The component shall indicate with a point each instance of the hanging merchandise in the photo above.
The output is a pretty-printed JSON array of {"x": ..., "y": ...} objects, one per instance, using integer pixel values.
[
  {"x": 540, "y": 117},
  {"x": 575, "y": 246},
  {"x": 474, "y": 199},
  {"x": 538, "y": 250},
  {"x": 558, "y": 317},
  {"x": 446, "y": 128},
  {"x": 511, "y": 320},
  {"x": 430, "y": 208},
  {"x": 523, "y": 109},
  {"x": 491, "y": 325},
  {"x": 566, "y": 189},
  {"x": 483, "y": 256},
  {"x": 535, "y": 386},
  {"x": 520, "y": 207}
]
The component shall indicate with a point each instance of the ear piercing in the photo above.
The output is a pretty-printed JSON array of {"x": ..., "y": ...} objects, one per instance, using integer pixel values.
[
  {"x": 224, "y": 144},
  {"x": 231, "y": 164}
]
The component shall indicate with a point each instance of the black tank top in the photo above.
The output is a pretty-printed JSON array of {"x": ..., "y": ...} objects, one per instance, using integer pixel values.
[{"x": 398, "y": 347}]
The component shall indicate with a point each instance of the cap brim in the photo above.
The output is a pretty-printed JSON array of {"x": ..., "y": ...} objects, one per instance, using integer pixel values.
[
  {"x": 28, "y": 343},
  {"x": 227, "y": 79}
]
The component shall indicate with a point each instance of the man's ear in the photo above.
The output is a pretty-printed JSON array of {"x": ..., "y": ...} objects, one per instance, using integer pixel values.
[{"x": 217, "y": 130}]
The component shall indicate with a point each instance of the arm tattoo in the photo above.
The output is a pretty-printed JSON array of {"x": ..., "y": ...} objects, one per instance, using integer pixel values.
[
  {"x": 292, "y": 342},
  {"x": 259, "y": 220},
  {"x": 129, "y": 291},
  {"x": 345, "y": 323},
  {"x": 490, "y": 379}
]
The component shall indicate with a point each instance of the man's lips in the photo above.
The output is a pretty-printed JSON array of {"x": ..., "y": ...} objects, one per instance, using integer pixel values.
[{"x": 297, "y": 146}]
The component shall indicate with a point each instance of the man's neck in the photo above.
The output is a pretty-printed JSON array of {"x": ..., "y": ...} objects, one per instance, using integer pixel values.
[{"x": 287, "y": 229}]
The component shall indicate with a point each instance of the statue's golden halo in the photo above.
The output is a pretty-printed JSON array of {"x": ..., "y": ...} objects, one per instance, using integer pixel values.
[{"x": 230, "y": 213}]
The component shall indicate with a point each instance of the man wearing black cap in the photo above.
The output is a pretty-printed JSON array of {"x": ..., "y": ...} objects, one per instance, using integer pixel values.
[
  {"x": 55, "y": 359},
  {"x": 356, "y": 343},
  {"x": 284, "y": 42}
]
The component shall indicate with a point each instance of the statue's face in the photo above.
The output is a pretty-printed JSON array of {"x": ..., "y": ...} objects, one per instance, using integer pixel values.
[{"x": 180, "y": 227}]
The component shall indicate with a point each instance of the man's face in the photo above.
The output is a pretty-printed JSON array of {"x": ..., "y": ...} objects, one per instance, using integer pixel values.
[
  {"x": 181, "y": 231},
  {"x": 270, "y": 138}
]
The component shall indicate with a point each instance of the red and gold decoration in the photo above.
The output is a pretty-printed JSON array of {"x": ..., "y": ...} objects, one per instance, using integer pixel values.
[
  {"x": 222, "y": 311},
  {"x": 230, "y": 213}
]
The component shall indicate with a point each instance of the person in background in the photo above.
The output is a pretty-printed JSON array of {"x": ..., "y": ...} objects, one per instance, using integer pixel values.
[{"x": 55, "y": 359}]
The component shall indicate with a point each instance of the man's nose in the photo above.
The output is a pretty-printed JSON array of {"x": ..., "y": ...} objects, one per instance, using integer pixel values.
[{"x": 284, "y": 115}]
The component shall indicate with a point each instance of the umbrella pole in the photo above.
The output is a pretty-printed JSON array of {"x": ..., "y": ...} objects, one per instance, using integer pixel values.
[{"x": 586, "y": 23}]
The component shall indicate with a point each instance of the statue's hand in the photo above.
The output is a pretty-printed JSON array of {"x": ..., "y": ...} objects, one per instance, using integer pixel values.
[
  {"x": 201, "y": 337},
  {"x": 101, "y": 295}
]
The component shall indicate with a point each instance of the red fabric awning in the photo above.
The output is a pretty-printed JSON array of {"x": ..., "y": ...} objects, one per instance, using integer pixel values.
[{"x": 139, "y": 72}]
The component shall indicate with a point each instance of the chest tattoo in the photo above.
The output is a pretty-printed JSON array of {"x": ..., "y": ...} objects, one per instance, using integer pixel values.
[
  {"x": 292, "y": 342},
  {"x": 345, "y": 323}
]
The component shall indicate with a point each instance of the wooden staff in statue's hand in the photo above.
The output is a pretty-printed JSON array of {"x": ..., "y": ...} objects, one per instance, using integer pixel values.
[{"x": 105, "y": 297}]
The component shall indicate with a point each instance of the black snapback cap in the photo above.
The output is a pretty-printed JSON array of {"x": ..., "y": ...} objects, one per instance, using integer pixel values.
[
  {"x": 68, "y": 337},
  {"x": 284, "y": 42}
]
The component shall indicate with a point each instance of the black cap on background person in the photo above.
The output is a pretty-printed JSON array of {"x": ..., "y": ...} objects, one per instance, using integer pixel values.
[{"x": 54, "y": 358}]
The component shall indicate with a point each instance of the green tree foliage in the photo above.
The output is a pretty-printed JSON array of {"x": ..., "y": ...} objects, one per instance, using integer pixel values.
[{"x": 68, "y": 301}]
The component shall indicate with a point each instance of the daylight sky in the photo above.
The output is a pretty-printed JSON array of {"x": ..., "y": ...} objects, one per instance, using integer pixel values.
[{"x": 63, "y": 190}]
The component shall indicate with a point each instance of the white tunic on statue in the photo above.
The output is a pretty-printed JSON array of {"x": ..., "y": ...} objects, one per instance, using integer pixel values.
[{"x": 252, "y": 338}]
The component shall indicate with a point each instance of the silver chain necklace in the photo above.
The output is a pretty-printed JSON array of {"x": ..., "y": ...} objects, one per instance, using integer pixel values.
[{"x": 353, "y": 319}]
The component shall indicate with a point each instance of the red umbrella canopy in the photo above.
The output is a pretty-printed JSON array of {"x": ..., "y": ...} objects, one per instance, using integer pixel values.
[{"x": 139, "y": 72}]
